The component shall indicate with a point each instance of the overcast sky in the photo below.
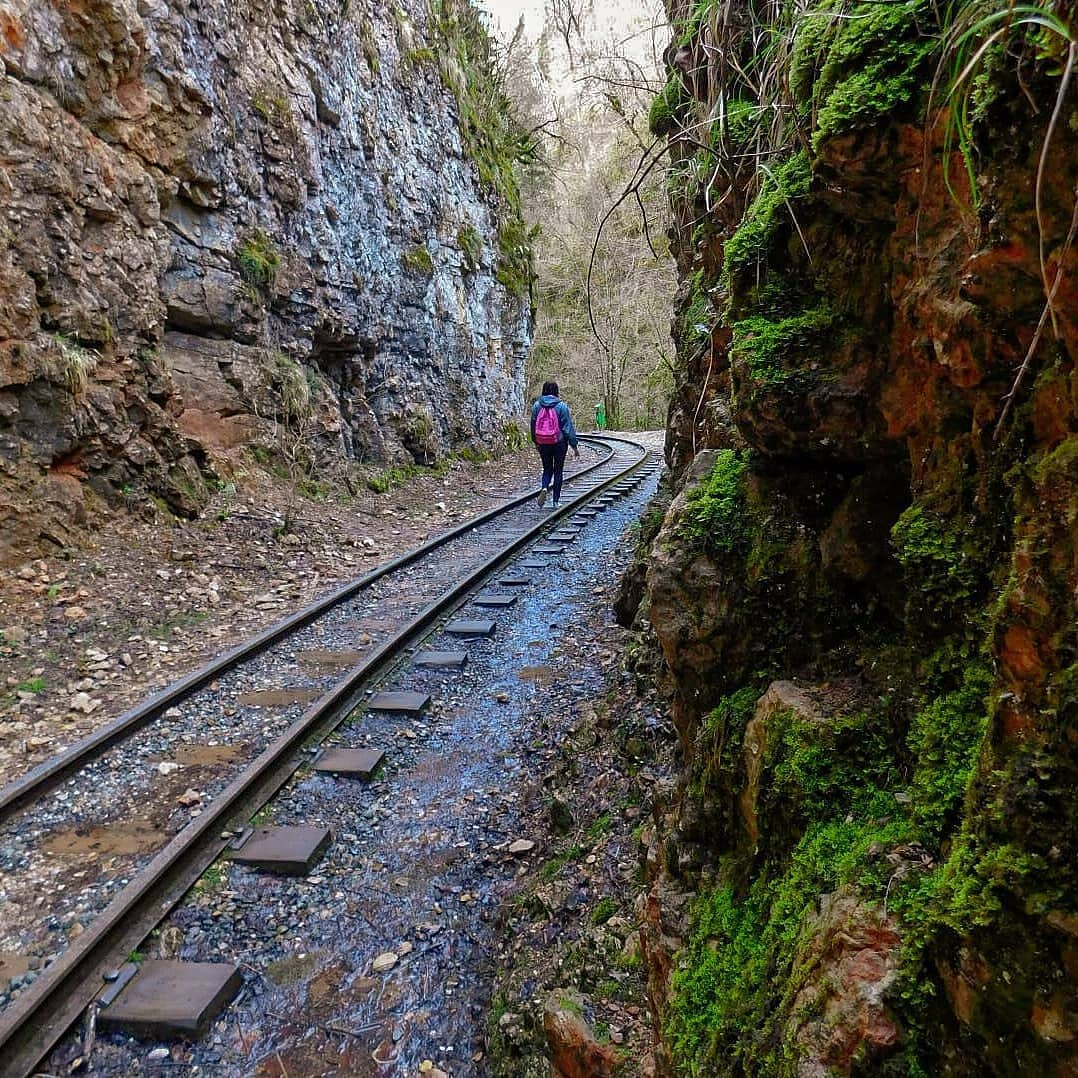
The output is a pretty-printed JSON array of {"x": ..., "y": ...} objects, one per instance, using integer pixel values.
[{"x": 625, "y": 21}]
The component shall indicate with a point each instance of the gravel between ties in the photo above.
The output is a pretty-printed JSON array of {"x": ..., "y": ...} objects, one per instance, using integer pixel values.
[
  {"x": 64, "y": 860},
  {"x": 420, "y": 860}
]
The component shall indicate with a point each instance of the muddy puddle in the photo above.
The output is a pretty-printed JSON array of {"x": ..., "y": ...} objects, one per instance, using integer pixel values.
[
  {"x": 541, "y": 675},
  {"x": 279, "y": 697},
  {"x": 109, "y": 840},
  {"x": 328, "y": 660},
  {"x": 208, "y": 755}
]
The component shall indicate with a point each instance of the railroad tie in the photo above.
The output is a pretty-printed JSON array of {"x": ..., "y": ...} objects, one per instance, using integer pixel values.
[
  {"x": 471, "y": 628},
  {"x": 442, "y": 660},
  {"x": 351, "y": 763},
  {"x": 411, "y": 703},
  {"x": 496, "y": 599},
  {"x": 287, "y": 851},
  {"x": 168, "y": 998}
]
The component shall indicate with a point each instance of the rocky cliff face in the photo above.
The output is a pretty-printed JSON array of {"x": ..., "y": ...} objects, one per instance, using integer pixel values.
[
  {"x": 865, "y": 589},
  {"x": 211, "y": 207}
]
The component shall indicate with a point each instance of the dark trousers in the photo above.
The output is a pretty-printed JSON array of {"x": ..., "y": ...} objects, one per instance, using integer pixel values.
[{"x": 553, "y": 458}]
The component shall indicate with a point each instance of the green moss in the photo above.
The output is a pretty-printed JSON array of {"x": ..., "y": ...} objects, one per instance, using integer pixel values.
[
  {"x": 604, "y": 909},
  {"x": 857, "y": 62},
  {"x": 515, "y": 270},
  {"x": 942, "y": 563},
  {"x": 766, "y": 217},
  {"x": 418, "y": 260},
  {"x": 715, "y": 511},
  {"x": 745, "y": 954},
  {"x": 742, "y": 120},
  {"x": 963, "y": 895},
  {"x": 471, "y": 247},
  {"x": 767, "y": 346},
  {"x": 272, "y": 105},
  {"x": 725, "y": 724},
  {"x": 695, "y": 319},
  {"x": 259, "y": 259},
  {"x": 419, "y": 57},
  {"x": 668, "y": 107},
  {"x": 944, "y": 740},
  {"x": 1060, "y": 466},
  {"x": 718, "y": 773}
]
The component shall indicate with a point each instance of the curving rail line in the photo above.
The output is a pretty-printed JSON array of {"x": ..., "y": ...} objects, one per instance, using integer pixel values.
[{"x": 33, "y": 1023}]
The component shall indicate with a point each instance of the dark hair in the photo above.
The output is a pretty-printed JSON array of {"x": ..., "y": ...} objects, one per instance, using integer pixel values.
[{"x": 550, "y": 389}]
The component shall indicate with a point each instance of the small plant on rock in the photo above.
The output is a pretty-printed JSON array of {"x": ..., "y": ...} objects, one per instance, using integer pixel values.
[
  {"x": 259, "y": 259},
  {"x": 76, "y": 364}
]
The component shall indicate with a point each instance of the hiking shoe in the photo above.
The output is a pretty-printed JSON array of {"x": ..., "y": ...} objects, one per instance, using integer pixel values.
[
  {"x": 554, "y": 504},
  {"x": 542, "y": 497}
]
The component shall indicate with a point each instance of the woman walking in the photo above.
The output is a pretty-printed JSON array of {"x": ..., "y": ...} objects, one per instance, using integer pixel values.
[{"x": 553, "y": 434}]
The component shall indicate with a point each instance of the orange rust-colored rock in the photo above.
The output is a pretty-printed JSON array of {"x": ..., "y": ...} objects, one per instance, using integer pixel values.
[
  {"x": 11, "y": 31},
  {"x": 574, "y": 1050},
  {"x": 841, "y": 1014}
]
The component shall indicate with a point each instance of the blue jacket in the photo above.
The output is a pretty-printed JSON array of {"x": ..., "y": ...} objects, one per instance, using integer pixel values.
[{"x": 561, "y": 410}]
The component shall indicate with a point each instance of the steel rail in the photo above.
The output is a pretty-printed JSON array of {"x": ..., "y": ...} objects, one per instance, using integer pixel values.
[
  {"x": 49, "y": 773},
  {"x": 33, "y": 1024}
]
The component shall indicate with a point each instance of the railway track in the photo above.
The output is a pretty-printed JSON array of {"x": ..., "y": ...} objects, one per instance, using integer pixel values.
[{"x": 117, "y": 796}]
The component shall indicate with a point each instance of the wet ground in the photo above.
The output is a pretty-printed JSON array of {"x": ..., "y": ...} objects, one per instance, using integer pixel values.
[
  {"x": 381, "y": 960},
  {"x": 69, "y": 855}
]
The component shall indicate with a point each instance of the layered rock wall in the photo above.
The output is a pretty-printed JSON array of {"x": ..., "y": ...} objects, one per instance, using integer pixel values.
[
  {"x": 194, "y": 190},
  {"x": 864, "y": 590}
]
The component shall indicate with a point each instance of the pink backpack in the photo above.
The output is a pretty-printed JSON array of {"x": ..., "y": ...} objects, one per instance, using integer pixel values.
[{"x": 547, "y": 426}]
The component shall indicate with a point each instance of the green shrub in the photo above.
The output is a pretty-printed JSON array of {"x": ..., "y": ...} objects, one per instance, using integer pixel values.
[{"x": 259, "y": 259}]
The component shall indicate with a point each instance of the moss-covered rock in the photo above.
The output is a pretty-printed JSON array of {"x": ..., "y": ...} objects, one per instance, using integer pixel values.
[
  {"x": 856, "y": 68},
  {"x": 879, "y": 522}
]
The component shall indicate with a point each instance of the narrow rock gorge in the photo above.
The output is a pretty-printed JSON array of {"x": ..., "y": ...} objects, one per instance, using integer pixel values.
[
  {"x": 862, "y": 594},
  {"x": 225, "y": 220}
]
